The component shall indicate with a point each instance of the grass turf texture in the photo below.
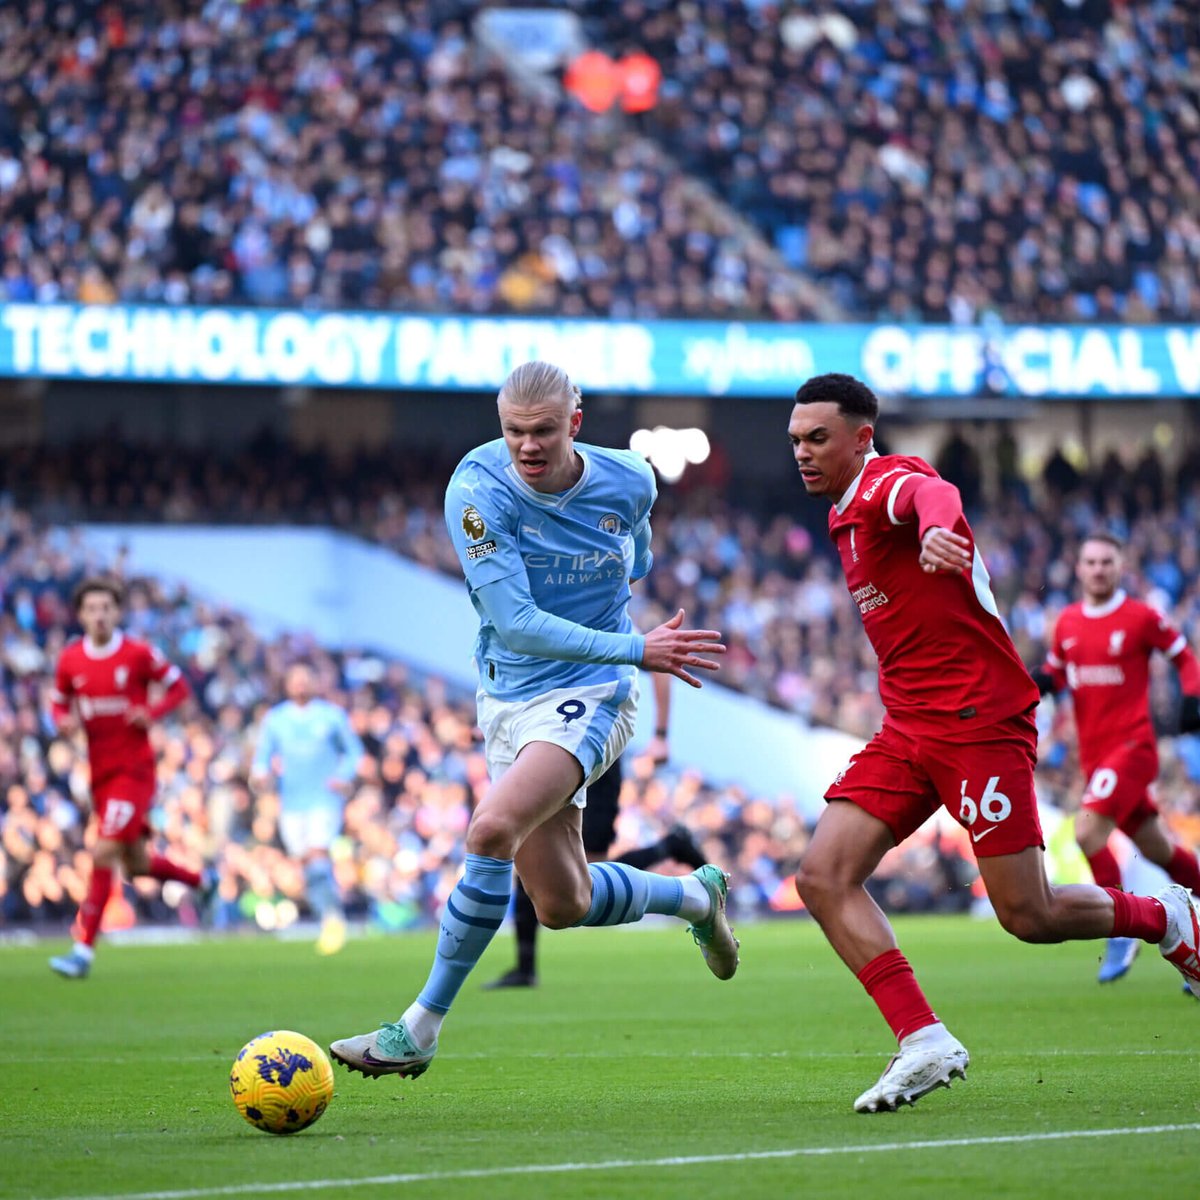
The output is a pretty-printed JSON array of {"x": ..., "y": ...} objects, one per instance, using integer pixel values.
[{"x": 627, "y": 1051}]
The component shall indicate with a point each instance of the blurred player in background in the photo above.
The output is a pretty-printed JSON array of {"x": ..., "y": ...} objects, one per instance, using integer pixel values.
[
  {"x": 959, "y": 731},
  {"x": 103, "y": 684},
  {"x": 1100, "y": 652},
  {"x": 307, "y": 744},
  {"x": 599, "y": 833},
  {"x": 550, "y": 535}
]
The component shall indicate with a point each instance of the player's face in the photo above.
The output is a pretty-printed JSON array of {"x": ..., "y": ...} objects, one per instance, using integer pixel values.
[
  {"x": 541, "y": 440},
  {"x": 828, "y": 448},
  {"x": 1098, "y": 570},
  {"x": 98, "y": 614},
  {"x": 300, "y": 685}
]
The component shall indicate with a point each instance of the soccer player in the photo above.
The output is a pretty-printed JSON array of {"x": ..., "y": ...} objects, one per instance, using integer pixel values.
[
  {"x": 599, "y": 833},
  {"x": 308, "y": 745},
  {"x": 1100, "y": 652},
  {"x": 959, "y": 731},
  {"x": 102, "y": 685},
  {"x": 550, "y": 534}
]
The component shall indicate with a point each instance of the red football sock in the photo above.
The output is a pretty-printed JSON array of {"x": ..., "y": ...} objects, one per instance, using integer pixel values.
[
  {"x": 890, "y": 982},
  {"x": 163, "y": 868},
  {"x": 1137, "y": 916},
  {"x": 92, "y": 908},
  {"x": 1105, "y": 870},
  {"x": 1183, "y": 868}
]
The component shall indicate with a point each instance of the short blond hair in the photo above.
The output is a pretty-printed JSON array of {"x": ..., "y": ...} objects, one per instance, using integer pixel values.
[{"x": 535, "y": 383}]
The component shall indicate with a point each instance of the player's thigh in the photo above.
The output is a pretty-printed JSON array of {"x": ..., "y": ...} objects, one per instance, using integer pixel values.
[
  {"x": 846, "y": 847},
  {"x": 1016, "y": 883},
  {"x": 534, "y": 788},
  {"x": 554, "y": 870},
  {"x": 986, "y": 783},
  {"x": 600, "y": 815},
  {"x": 884, "y": 782},
  {"x": 1118, "y": 788},
  {"x": 122, "y": 808}
]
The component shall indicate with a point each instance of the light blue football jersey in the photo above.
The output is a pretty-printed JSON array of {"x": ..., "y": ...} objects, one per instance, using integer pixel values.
[
  {"x": 309, "y": 745},
  {"x": 576, "y": 552}
]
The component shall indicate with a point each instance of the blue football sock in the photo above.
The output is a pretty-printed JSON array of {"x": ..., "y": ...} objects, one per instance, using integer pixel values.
[
  {"x": 473, "y": 913},
  {"x": 321, "y": 888},
  {"x": 622, "y": 894}
]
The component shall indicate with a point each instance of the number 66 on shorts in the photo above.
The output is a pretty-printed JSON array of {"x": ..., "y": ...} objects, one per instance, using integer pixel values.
[{"x": 984, "y": 778}]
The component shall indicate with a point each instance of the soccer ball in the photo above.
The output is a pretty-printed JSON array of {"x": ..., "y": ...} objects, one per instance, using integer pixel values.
[{"x": 281, "y": 1082}]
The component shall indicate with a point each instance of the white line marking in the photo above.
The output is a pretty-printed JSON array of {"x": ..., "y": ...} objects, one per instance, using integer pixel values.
[{"x": 621, "y": 1164}]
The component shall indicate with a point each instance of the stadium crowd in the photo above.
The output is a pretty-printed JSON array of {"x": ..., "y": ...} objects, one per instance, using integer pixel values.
[
  {"x": 1037, "y": 160},
  {"x": 345, "y": 154},
  {"x": 944, "y": 161},
  {"x": 768, "y": 582}
]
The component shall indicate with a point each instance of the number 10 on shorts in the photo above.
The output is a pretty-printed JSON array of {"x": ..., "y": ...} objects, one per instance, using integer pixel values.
[{"x": 993, "y": 806}]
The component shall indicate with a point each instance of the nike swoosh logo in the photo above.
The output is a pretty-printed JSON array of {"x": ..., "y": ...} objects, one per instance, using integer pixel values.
[{"x": 978, "y": 837}]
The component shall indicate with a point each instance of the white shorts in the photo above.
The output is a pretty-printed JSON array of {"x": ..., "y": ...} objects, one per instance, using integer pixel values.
[
  {"x": 593, "y": 723},
  {"x": 309, "y": 829}
]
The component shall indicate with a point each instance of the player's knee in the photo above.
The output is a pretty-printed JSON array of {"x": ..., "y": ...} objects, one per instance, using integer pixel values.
[
  {"x": 561, "y": 912},
  {"x": 816, "y": 884},
  {"x": 492, "y": 834}
]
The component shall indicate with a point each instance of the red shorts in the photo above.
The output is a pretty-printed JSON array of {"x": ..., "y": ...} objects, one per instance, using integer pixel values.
[
  {"x": 1118, "y": 787},
  {"x": 122, "y": 806},
  {"x": 985, "y": 780}
]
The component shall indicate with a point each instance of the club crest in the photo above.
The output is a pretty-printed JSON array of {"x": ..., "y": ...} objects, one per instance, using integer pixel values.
[{"x": 610, "y": 523}]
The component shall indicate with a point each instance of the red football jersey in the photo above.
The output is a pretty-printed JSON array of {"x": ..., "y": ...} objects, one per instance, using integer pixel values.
[
  {"x": 1102, "y": 653},
  {"x": 946, "y": 662},
  {"x": 105, "y": 683}
]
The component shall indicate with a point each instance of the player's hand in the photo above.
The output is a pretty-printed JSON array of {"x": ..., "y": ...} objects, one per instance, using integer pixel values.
[
  {"x": 944, "y": 550},
  {"x": 657, "y": 750},
  {"x": 139, "y": 715},
  {"x": 67, "y": 727},
  {"x": 1189, "y": 714},
  {"x": 340, "y": 787},
  {"x": 673, "y": 650}
]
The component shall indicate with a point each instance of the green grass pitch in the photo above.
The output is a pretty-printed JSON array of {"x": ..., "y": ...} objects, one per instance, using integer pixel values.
[{"x": 629, "y": 1072}]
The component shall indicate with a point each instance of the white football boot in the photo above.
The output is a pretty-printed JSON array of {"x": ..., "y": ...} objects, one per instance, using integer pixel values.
[
  {"x": 1181, "y": 945},
  {"x": 926, "y": 1060}
]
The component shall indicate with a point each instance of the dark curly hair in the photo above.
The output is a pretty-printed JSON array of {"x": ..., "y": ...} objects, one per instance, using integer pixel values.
[{"x": 852, "y": 396}]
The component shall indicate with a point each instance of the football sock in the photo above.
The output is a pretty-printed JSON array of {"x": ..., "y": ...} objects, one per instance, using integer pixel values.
[
  {"x": 525, "y": 919},
  {"x": 1183, "y": 868},
  {"x": 92, "y": 908},
  {"x": 473, "y": 912},
  {"x": 162, "y": 867},
  {"x": 321, "y": 887},
  {"x": 890, "y": 982},
  {"x": 1105, "y": 870},
  {"x": 84, "y": 951},
  {"x": 622, "y": 894},
  {"x": 1137, "y": 916}
]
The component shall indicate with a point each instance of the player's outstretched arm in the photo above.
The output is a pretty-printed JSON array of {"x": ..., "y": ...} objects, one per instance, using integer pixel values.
[{"x": 676, "y": 651}]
